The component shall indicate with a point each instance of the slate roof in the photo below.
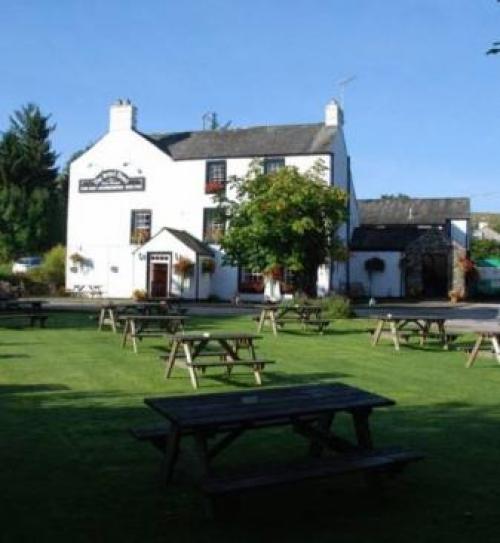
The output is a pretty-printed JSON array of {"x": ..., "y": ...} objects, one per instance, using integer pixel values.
[
  {"x": 258, "y": 141},
  {"x": 369, "y": 238},
  {"x": 190, "y": 241},
  {"x": 425, "y": 211}
]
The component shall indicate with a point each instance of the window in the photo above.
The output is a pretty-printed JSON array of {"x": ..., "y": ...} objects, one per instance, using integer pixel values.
[
  {"x": 215, "y": 180},
  {"x": 251, "y": 282},
  {"x": 214, "y": 224},
  {"x": 140, "y": 226},
  {"x": 273, "y": 164}
]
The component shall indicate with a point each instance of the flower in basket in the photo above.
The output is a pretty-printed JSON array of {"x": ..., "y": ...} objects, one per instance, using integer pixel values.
[
  {"x": 77, "y": 258},
  {"x": 214, "y": 186},
  {"x": 184, "y": 267}
]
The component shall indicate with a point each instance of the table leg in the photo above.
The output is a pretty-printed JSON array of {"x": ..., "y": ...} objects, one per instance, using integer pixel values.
[
  {"x": 171, "y": 452},
  {"x": 475, "y": 351},
  {"x": 442, "y": 335},
  {"x": 133, "y": 332},
  {"x": 378, "y": 332},
  {"x": 394, "y": 334},
  {"x": 189, "y": 363},
  {"x": 272, "y": 316},
  {"x": 171, "y": 359},
  {"x": 101, "y": 319},
  {"x": 112, "y": 319},
  {"x": 261, "y": 320},
  {"x": 125, "y": 333},
  {"x": 496, "y": 346},
  {"x": 316, "y": 448},
  {"x": 424, "y": 332}
]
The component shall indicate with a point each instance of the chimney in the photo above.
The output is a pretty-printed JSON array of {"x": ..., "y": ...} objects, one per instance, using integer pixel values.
[
  {"x": 122, "y": 116},
  {"x": 334, "y": 116}
]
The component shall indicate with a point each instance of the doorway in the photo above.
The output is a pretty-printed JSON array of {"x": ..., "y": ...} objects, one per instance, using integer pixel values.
[
  {"x": 159, "y": 275},
  {"x": 435, "y": 275}
]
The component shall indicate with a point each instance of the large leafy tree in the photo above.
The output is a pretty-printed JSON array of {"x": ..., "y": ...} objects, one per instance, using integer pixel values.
[
  {"x": 285, "y": 219},
  {"x": 31, "y": 207}
]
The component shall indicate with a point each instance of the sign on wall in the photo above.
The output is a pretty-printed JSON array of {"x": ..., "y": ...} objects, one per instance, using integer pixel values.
[{"x": 112, "y": 181}]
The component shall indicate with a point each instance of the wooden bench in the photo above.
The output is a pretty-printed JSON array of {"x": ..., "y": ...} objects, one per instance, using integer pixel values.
[
  {"x": 32, "y": 317},
  {"x": 319, "y": 324},
  {"x": 390, "y": 459},
  {"x": 156, "y": 434}
]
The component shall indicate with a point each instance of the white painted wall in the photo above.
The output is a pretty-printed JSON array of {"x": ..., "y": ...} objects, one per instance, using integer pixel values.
[
  {"x": 459, "y": 232},
  {"x": 99, "y": 223},
  {"x": 386, "y": 284}
]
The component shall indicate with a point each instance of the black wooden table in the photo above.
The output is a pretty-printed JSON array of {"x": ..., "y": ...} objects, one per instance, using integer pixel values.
[
  {"x": 138, "y": 326},
  {"x": 309, "y": 409},
  {"x": 196, "y": 350},
  {"x": 398, "y": 323}
]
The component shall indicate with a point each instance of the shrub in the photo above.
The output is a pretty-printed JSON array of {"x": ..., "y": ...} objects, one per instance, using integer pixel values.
[
  {"x": 139, "y": 295},
  {"x": 336, "y": 306},
  {"x": 51, "y": 273}
]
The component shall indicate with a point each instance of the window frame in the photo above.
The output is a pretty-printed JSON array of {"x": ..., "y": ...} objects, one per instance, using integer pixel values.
[
  {"x": 206, "y": 214},
  {"x": 273, "y": 160},
  {"x": 242, "y": 272},
  {"x": 134, "y": 229},
  {"x": 218, "y": 181}
]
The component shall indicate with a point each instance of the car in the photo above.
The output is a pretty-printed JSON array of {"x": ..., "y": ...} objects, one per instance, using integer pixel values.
[{"x": 23, "y": 265}]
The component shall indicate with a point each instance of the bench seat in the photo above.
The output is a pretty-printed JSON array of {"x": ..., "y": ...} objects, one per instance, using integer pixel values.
[
  {"x": 388, "y": 459},
  {"x": 231, "y": 363},
  {"x": 32, "y": 317}
]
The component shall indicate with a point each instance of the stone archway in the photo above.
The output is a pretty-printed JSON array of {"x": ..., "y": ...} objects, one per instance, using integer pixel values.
[{"x": 428, "y": 263}]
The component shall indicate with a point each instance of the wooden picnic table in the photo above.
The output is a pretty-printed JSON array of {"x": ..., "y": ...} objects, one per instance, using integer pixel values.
[
  {"x": 309, "y": 409},
  {"x": 139, "y": 326},
  {"x": 489, "y": 334},
  {"x": 110, "y": 312},
  {"x": 195, "y": 351},
  {"x": 277, "y": 314},
  {"x": 20, "y": 304},
  {"x": 399, "y": 322}
]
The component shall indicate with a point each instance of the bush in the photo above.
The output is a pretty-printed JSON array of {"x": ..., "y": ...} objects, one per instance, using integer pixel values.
[
  {"x": 49, "y": 277},
  {"x": 336, "y": 306}
]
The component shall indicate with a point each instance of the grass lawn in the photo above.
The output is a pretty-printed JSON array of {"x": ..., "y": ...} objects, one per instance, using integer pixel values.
[{"x": 71, "y": 472}]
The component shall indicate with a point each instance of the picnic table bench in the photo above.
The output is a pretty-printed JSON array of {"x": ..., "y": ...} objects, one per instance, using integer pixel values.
[
  {"x": 277, "y": 315},
  {"x": 137, "y": 327},
  {"x": 187, "y": 348},
  {"x": 32, "y": 318},
  {"x": 489, "y": 334},
  {"x": 420, "y": 325},
  {"x": 309, "y": 409}
]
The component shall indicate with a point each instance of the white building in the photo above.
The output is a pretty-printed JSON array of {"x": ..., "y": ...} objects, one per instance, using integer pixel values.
[{"x": 141, "y": 203}]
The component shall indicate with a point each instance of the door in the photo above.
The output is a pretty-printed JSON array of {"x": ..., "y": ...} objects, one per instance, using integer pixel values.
[
  {"x": 159, "y": 274},
  {"x": 435, "y": 275}
]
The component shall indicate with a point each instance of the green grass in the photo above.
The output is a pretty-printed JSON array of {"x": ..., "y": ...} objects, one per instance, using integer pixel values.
[{"x": 70, "y": 471}]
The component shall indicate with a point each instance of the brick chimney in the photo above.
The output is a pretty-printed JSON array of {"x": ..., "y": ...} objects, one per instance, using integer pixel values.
[{"x": 122, "y": 116}]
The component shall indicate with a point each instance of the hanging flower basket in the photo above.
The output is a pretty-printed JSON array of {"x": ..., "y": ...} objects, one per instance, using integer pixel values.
[
  {"x": 374, "y": 264},
  {"x": 208, "y": 265},
  {"x": 184, "y": 267},
  {"x": 77, "y": 258},
  {"x": 275, "y": 272}
]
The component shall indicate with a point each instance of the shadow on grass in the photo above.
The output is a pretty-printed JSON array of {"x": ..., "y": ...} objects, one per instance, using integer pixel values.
[
  {"x": 13, "y": 355},
  {"x": 86, "y": 476}
]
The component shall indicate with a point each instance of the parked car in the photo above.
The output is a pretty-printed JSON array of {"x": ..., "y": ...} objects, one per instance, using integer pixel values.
[{"x": 22, "y": 265}]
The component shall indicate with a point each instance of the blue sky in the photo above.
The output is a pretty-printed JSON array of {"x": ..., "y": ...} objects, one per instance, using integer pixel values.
[{"x": 422, "y": 115}]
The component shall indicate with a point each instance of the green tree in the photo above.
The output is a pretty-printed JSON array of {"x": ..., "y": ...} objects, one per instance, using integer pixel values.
[
  {"x": 31, "y": 212},
  {"x": 484, "y": 248},
  {"x": 285, "y": 219}
]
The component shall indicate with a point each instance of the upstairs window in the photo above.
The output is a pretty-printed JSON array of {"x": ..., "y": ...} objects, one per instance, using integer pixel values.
[
  {"x": 215, "y": 180},
  {"x": 272, "y": 165},
  {"x": 140, "y": 226},
  {"x": 214, "y": 224}
]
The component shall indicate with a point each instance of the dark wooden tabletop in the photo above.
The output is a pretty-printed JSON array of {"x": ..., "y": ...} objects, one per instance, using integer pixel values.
[
  {"x": 407, "y": 317},
  {"x": 200, "y": 336},
  {"x": 205, "y": 410},
  {"x": 169, "y": 317}
]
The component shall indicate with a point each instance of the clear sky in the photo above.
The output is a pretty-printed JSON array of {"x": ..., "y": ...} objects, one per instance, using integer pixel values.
[{"x": 422, "y": 115}]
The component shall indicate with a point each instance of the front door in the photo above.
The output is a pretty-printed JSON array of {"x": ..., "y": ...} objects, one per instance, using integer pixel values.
[
  {"x": 434, "y": 275},
  {"x": 158, "y": 276}
]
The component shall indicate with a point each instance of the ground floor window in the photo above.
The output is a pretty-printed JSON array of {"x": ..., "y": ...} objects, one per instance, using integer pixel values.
[
  {"x": 250, "y": 282},
  {"x": 214, "y": 224}
]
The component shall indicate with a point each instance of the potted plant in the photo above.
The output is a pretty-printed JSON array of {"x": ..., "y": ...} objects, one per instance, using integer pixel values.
[
  {"x": 139, "y": 295},
  {"x": 213, "y": 187}
]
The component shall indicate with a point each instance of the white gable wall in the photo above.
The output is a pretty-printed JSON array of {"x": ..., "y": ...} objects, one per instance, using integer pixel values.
[{"x": 386, "y": 284}]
